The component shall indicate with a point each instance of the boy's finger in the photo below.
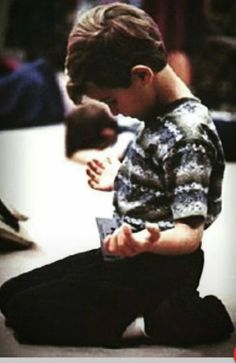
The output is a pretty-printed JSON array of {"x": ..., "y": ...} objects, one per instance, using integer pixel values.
[
  {"x": 126, "y": 229},
  {"x": 106, "y": 239},
  {"x": 128, "y": 234},
  {"x": 92, "y": 184},
  {"x": 95, "y": 166},
  {"x": 111, "y": 245},
  {"x": 93, "y": 176},
  {"x": 106, "y": 243},
  {"x": 154, "y": 231},
  {"x": 89, "y": 172},
  {"x": 99, "y": 163}
]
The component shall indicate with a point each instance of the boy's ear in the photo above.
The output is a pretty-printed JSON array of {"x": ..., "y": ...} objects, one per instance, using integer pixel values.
[{"x": 142, "y": 72}]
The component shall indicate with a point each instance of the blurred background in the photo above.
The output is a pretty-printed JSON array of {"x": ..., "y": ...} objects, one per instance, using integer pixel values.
[
  {"x": 193, "y": 30},
  {"x": 200, "y": 36},
  {"x": 37, "y": 178}
]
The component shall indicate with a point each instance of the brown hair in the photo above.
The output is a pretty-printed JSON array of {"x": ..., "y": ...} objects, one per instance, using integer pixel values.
[{"x": 107, "y": 41}]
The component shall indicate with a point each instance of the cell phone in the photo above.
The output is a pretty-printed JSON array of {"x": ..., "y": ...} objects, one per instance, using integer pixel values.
[{"x": 106, "y": 226}]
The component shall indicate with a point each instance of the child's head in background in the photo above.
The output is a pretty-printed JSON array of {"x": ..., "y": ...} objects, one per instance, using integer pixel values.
[{"x": 90, "y": 126}]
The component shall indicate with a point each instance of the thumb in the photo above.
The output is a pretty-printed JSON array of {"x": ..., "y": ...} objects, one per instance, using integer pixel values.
[
  {"x": 127, "y": 230},
  {"x": 154, "y": 231}
]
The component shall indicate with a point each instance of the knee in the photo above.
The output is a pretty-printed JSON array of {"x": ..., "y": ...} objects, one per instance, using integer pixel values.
[
  {"x": 17, "y": 312},
  {"x": 29, "y": 318},
  {"x": 38, "y": 318},
  {"x": 185, "y": 319},
  {"x": 7, "y": 290}
]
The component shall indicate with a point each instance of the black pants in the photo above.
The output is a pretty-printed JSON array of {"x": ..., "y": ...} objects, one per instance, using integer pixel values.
[{"x": 83, "y": 300}]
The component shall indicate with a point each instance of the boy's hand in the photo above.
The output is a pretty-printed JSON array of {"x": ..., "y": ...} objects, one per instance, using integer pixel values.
[
  {"x": 101, "y": 174},
  {"x": 124, "y": 243}
]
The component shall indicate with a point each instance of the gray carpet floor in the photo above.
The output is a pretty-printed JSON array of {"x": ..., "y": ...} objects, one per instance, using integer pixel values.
[{"x": 38, "y": 180}]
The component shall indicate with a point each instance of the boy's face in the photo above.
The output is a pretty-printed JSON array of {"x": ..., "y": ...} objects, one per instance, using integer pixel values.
[{"x": 134, "y": 101}]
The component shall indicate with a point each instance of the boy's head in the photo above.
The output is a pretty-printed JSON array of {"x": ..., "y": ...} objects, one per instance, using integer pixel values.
[
  {"x": 107, "y": 42},
  {"x": 89, "y": 126}
]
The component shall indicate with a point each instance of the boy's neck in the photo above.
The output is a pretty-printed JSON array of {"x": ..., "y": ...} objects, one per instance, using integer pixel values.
[{"x": 169, "y": 87}]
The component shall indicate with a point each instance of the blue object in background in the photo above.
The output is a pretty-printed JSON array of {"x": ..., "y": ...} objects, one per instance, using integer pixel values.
[{"x": 30, "y": 96}]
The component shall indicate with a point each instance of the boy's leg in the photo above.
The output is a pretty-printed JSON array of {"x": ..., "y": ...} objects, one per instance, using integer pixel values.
[
  {"x": 184, "y": 318},
  {"x": 66, "y": 312},
  {"x": 72, "y": 264}
]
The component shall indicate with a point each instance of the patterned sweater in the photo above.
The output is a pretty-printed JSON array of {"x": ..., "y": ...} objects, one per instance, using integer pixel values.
[{"x": 174, "y": 169}]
